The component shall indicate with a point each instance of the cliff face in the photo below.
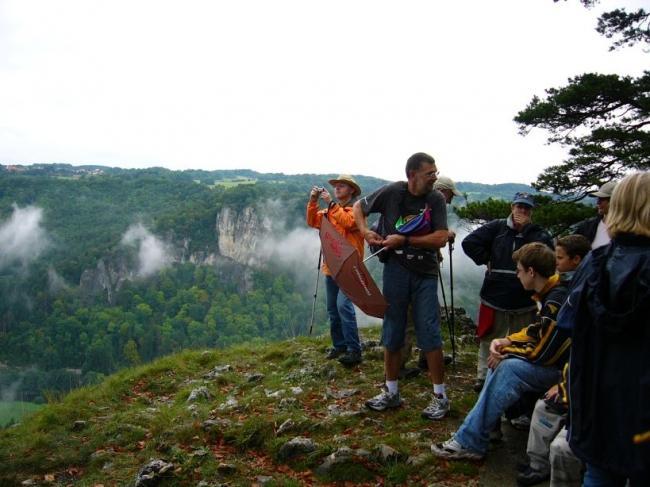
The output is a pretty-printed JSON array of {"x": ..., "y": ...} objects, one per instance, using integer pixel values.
[
  {"x": 239, "y": 238},
  {"x": 107, "y": 278},
  {"x": 240, "y": 235}
]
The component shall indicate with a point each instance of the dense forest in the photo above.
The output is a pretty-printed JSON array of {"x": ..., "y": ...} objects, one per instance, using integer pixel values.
[
  {"x": 58, "y": 222},
  {"x": 57, "y": 331}
]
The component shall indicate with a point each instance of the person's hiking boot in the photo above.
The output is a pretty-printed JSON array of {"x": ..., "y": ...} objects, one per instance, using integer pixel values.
[
  {"x": 530, "y": 476},
  {"x": 478, "y": 385},
  {"x": 523, "y": 466},
  {"x": 437, "y": 408},
  {"x": 333, "y": 353},
  {"x": 453, "y": 450},
  {"x": 521, "y": 423},
  {"x": 350, "y": 359},
  {"x": 384, "y": 400}
]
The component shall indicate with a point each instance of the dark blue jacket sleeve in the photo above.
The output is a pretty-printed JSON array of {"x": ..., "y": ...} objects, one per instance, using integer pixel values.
[{"x": 478, "y": 244}]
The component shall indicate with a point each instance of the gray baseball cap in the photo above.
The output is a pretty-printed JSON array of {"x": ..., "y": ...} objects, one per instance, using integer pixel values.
[
  {"x": 605, "y": 191},
  {"x": 443, "y": 182}
]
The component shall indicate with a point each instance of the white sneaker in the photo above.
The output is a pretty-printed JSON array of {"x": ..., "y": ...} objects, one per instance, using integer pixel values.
[
  {"x": 437, "y": 408},
  {"x": 384, "y": 401},
  {"x": 453, "y": 450},
  {"x": 521, "y": 423}
]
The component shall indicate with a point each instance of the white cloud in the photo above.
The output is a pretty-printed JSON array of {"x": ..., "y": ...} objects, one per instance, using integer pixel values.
[
  {"x": 153, "y": 254},
  {"x": 22, "y": 238},
  {"x": 291, "y": 86},
  {"x": 297, "y": 249},
  {"x": 55, "y": 282}
]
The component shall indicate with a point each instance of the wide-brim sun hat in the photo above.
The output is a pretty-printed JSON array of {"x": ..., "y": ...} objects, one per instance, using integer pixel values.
[{"x": 349, "y": 180}]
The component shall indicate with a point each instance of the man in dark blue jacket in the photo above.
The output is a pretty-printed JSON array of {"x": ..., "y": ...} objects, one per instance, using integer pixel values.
[
  {"x": 595, "y": 229},
  {"x": 505, "y": 305}
]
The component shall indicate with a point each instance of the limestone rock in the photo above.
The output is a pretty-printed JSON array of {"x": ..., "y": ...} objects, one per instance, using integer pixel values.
[
  {"x": 342, "y": 455},
  {"x": 242, "y": 233},
  {"x": 231, "y": 403},
  {"x": 274, "y": 394},
  {"x": 152, "y": 473},
  {"x": 215, "y": 424},
  {"x": 296, "y": 446},
  {"x": 386, "y": 454},
  {"x": 200, "y": 393},
  {"x": 218, "y": 371},
  {"x": 340, "y": 394},
  {"x": 418, "y": 460},
  {"x": 255, "y": 377},
  {"x": 284, "y": 427},
  {"x": 287, "y": 403}
]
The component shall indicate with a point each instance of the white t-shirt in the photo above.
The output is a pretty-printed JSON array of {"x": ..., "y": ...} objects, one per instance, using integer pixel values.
[{"x": 602, "y": 237}]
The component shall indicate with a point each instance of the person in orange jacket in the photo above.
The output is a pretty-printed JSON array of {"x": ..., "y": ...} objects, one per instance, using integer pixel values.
[{"x": 343, "y": 322}]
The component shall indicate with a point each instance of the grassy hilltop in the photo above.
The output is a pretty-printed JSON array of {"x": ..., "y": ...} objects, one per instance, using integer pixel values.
[{"x": 234, "y": 432}]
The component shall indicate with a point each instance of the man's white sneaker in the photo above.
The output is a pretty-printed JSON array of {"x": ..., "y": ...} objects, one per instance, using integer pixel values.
[
  {"x": 437, "y": 408},
  {"x": 384, "y": 401},
  {"x": 453, "y": 450}
]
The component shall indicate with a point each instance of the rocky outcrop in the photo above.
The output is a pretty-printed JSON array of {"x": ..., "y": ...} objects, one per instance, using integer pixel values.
[
  {"x": 153, "y": 472},
  {"x": 107, "y": 278},
  {"x": 241, "y": 234},
  {"x": 296, "y": 446}
]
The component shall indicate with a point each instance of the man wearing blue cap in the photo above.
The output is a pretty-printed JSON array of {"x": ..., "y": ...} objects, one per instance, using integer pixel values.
[{"x": 505, "y": 305}]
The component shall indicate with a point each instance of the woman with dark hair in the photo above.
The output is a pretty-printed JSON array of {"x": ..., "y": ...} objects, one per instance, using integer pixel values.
[{"x": 609, "y": 381}]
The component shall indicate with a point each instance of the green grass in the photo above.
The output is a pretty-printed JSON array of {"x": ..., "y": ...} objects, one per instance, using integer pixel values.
[
  {"x": 231, "y": 183},
  {"x": 143, "y": 413},
  {"x": 14, "y": 411}
]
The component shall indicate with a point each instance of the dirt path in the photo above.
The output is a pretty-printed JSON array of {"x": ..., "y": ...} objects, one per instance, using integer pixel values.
[{"x": 499, "y": 470}]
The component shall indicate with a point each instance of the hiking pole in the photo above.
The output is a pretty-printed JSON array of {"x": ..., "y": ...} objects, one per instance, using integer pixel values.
[
  {"x": 372, "y": 255},
  {"x": 444, "y": 301},
  {"x": 442, "y": 290},
  {"x": 452, "y": 323},
  {"x": 313, "y": 306}
]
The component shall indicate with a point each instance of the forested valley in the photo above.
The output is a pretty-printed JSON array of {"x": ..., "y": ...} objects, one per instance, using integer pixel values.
[{"x": 105, "y": 268}]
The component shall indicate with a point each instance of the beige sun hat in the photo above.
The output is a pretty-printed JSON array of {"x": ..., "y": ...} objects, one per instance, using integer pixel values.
[
  {"x": 443, "y": 182},
  {"x": 349, "y": 180}
]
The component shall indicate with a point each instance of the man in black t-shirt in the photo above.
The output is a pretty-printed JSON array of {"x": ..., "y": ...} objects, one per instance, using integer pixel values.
[{"x": 410, "y": 273}]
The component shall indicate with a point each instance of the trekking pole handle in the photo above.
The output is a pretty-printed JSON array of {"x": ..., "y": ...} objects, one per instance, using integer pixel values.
[{"x": 372, "y": 255}]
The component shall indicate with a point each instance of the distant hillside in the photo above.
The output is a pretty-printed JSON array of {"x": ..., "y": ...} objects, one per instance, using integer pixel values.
[
  {"x": 232, "y": 177},
  {"x": 480, "y": 192},
  {"x": 225, "y": 177}
]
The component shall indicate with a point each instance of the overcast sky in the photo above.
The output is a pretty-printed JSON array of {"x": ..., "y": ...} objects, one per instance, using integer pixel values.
[{"x": 292, "y": 86}]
